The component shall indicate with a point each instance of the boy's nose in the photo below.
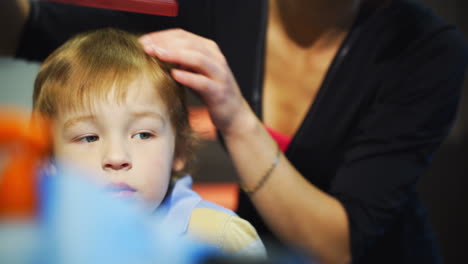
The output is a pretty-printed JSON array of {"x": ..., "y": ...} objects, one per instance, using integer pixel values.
[
  {"x": 116, "y": 159},
  {"x": 115, "y": 164}
]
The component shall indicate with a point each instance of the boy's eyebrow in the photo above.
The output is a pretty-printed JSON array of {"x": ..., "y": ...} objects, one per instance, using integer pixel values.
[
  {"x": 72, "y": 121},
  {"x": 149, "y": 114}
]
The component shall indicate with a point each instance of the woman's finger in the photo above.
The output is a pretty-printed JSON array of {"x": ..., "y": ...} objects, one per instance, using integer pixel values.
[
  {"x": 167, "y": 36},
  {"x": 199, "y": 83},
  {"x": 193, "y": 61},
  {"x": 176, "y": 39}
]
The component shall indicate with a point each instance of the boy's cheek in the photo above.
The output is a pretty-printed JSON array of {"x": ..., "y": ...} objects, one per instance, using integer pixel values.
[
  {"x": 153, "y": 173},
  {"x": 154, "y": 193},
  {"x": 84, "y": 160}
]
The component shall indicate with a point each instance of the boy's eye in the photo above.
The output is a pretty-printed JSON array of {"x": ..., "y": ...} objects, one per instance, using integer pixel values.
[
  {"x": 143, "y": 135},
  {"x": 89, "y": 139}
]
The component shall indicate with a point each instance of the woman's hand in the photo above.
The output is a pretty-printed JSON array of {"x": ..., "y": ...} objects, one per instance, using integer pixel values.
[{"x": 204, "y": 69}]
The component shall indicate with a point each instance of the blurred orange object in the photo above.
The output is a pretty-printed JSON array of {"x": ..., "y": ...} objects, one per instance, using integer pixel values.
[
  {"x": 224, "y": 194},
  {"x": 24, "y": 143},
  {"x": 201, "y": 122}
]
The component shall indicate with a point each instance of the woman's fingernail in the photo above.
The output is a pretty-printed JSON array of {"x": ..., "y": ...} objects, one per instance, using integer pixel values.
[
  {"x": 145, "y": 40},
  {"x": 159, "y": 51}
]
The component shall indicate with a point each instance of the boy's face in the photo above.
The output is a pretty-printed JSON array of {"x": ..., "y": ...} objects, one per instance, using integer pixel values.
[{"x": 129, "y": 146}]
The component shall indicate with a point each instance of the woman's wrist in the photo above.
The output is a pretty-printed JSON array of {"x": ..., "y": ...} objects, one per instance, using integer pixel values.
[
  {"x": 244, "y": 123},
  {"x": 253, "y": 151},
  {"x": 252, "y": 190}
]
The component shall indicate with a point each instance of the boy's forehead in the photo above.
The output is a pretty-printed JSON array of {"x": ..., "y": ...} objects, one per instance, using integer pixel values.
[{"x": 139, "y": 91}]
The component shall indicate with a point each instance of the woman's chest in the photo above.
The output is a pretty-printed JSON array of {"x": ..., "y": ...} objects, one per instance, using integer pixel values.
[
  {"x": 320, "y": 106},
  {"x": 292, "y": 80}
]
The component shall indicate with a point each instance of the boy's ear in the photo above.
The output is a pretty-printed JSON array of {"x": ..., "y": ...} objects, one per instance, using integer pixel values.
[{"x": 178, "y": 164}]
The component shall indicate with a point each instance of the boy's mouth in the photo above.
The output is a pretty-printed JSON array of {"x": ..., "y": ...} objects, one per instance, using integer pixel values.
[{"x": 119, "y": 189}]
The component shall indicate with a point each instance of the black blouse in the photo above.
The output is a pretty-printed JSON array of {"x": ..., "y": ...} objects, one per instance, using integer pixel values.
[{"x": 386, "y": 104}]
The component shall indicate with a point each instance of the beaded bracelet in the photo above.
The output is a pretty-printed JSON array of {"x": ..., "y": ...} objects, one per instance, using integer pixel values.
[{"x": 265, "y": 176}]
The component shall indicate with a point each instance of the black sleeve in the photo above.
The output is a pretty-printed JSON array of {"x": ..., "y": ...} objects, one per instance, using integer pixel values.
[
  {"x": 395, "y": 139},
  {"x": 51, "y": 24}
]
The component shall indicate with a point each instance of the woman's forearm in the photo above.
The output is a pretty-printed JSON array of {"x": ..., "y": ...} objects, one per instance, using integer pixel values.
[
  {"x": 14, "y": 14},
  {"x": 297, "y": 211}
]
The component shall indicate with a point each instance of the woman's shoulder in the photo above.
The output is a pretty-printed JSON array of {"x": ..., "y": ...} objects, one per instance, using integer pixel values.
[
  {"x": 226, "y": 231},
  {"x": 402, "y": 14},
  {"x": 405, "y": 33},
  {"x": 408, "y": 23}
]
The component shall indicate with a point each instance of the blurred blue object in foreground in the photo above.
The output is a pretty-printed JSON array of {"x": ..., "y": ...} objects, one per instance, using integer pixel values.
[{"x": 79, "y": 223}]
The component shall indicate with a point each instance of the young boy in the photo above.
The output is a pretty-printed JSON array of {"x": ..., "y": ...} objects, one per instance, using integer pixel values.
[{"x": 117, "y": 112}]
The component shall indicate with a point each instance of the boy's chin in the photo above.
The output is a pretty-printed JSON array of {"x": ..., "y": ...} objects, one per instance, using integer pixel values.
[
  {"x": 136, "y": 199},
  {"x": 129, "y": 197},
  {"x": 124, "y": 194}
]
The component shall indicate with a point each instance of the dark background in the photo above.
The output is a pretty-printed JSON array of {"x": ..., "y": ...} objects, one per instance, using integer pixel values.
[{"x": 444, "y": 188}]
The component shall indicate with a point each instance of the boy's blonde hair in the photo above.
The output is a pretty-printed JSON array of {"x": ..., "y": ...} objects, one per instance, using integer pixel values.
[{"x": 88, "y": 66}]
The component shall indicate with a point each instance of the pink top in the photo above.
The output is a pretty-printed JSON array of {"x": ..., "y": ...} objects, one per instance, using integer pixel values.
[{"x": 282, "y": 140}]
